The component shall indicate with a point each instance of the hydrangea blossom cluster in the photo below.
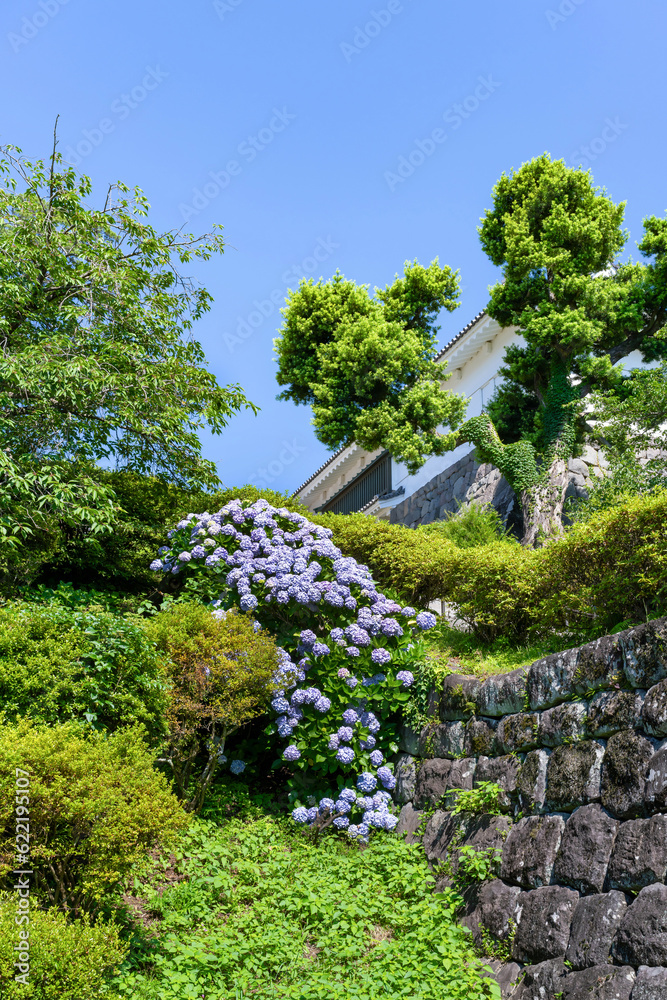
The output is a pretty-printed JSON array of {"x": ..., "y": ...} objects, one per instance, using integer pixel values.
[{"x": 288, "y": 573}]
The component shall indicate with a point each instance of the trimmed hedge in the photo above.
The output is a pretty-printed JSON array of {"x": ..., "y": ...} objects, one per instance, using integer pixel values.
[{"x": 601, "y": 573}]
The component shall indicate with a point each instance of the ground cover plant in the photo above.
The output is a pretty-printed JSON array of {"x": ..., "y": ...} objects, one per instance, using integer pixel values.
[
  {"x": 346, "y": 650},
  {"x": 262, "y": 911}
]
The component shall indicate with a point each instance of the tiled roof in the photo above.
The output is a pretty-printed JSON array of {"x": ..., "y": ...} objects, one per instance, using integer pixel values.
[
  {"x": 321, "y": 469},
  {"x": 460, "y": 334}
]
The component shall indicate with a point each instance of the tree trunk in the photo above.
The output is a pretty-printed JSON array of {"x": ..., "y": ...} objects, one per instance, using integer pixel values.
[{"x": 542, "y": 506}]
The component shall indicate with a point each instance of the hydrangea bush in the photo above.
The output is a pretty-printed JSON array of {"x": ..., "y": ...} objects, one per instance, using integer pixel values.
[{"x": 346, "y": 649}]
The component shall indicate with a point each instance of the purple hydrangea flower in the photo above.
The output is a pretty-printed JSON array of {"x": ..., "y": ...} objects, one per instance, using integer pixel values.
[
  {"x": 350, "y": 716},
  {"x": 334, "y": 742},
  {"x": 156, "y": 565},
  {"x": 322, "y": 704},
  {"x": 326, "y": 804},
  {"x": 380, "y": 656},
  {"x": 368, "y": 743},
  {"x": 387, "y": 778},
  {"x": 391, "y": 628},
  {"x": 376, "y": 758},
  {"x": 248, "y": 602},
  {"x": 406, "y": 678},
  {"x": 348, "y": 794},
  {"x": 345, "y": 734},
  {"x": 198, "y": 552},
  {"x": 184, "y": 557},
  {"x": 341, "y": 822},
  {"x": 426, "y": 620},
  {"x": 308, "y": 638},
  {"x": 300, "y": 814},
  {"x": 366, "y": 782},
  {"x": 352, "y": 682},
  {"x": 343, "y": 673},
  {"x": 352, "y": 651},
  {"x": 345, "y": 755},
  {"x": 291, "y": 752},
  {"x": 280, "y": 705},
  {"x": 408, "y": 612},
  {"x": 237, "y": 766},
  {"x": 320, "y": 649}
]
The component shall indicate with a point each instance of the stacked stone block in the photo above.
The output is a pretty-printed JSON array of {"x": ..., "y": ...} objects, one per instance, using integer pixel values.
[{"x": 578, "y": 743}]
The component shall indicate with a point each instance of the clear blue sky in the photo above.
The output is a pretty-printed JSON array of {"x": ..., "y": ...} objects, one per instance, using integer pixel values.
[{"x": 314, "y": 103}]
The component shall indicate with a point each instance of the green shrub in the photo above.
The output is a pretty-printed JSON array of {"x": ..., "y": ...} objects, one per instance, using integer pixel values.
[
  {"x": 609, "y": 569},
  {"x": 59, "y": 663},
  {"x": 221, "y": 674},
  {"x": 96, "y": 806},
  {"x": 472, "y": 525},
  {"x": 68, "y": 960}
]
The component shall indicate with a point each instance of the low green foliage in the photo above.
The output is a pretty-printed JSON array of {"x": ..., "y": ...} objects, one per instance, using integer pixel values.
[
  {"x": 472, "y": 866},
  {"x": 453, "y": 651},
  {"x": 68, "y": 960},
  {"x": 267, "y": 913},
  {"x": 483, "y": 799},
  {"x": 221, "y": 673},
  {"x": 96, "y": 807},
  {"x": 59, "y": 663}
]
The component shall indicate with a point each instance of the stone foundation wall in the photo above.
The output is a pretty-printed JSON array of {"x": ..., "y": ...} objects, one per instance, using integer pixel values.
[
  {"x": 467, "y": 481},
  {"x": 578, "y": 743}
]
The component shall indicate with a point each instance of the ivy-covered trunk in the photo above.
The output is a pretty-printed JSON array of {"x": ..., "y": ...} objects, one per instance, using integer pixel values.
[{"x": 542, "y": 505}]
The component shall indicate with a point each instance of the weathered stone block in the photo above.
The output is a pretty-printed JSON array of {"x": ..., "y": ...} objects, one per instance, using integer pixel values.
[
  {"x": 639, "y": 857},
  {"x": 406, "y": 778},
  {"x": 611, "y": 711},
  {"x": 599, "y": 665},
  {"x": 624, "y": 773},
  {"x": 604, "y": 982},
  {"x": 654, "y": 712},
  {"x": 506, "y": 975},
  {"x": 594, "y": 924},
  {"x": 502, "y": 694},
  {"x": 641, "y": 938},
  {"x": 431, "y": 782},
  {"x": 650, "y": 984},
  {"x": 491, "y": 909},
  {"x": 501, "y": 770},
  {"x": 531, "y": 782},
  {"x": 458, "y": 697},
  {"x": 551, "y": 680},
  {"x": 408, "y": 740},
  {"x": 530, "y": 851},
  {"x": 645, "y": 653},
  {"x": 562, "y": 724},
  {"x": 655, "y": 789},
  {"x": 441, "y": 829},
  {"x": 542, "y": 981},
  {"x": 544, "y": 919},
  {"x": 480, "y": 736},
  {"x": 409, "y": 821},
  {"x": 579, "y": 467},
  {"x": 586, "y": 848},
  {"x": 573, "y": 776},
  {"x": 446, "y": 740},
  {"x": 517, "y": 733},
  {"x": 462, "y": 773}
]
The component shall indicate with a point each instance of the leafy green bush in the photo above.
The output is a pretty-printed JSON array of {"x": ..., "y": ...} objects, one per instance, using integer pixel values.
[
  {"x": 266, "y": 913},
  {"x": 472, "y": 525},
  {"x": 69, "y": 960},
  {"x": 96, "y": 806},
  {"x": 59, "y": 663},
  {"x": 221, "y": 672},
  {"x": 483, "y": 799}
]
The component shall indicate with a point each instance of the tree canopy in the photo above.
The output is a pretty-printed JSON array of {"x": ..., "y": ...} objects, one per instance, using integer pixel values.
[
  {"x": 365, "y": 363},
  {"x": 579, "y": 312},
  {"x": 97, "y": 363}
]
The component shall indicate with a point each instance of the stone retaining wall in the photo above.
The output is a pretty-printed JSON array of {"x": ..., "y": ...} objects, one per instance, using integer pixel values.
[
  {"x": 467, "y": 481},
  {"x": 578, "y": 743}
]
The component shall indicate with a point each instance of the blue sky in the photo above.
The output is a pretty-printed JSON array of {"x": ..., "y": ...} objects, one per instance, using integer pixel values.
[{"x": 351, "y": 135}]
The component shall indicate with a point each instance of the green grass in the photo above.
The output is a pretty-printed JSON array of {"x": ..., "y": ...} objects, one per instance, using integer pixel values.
[
  {"x": 454, "y": 652},
  {"x": 255, "y": 908}
]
